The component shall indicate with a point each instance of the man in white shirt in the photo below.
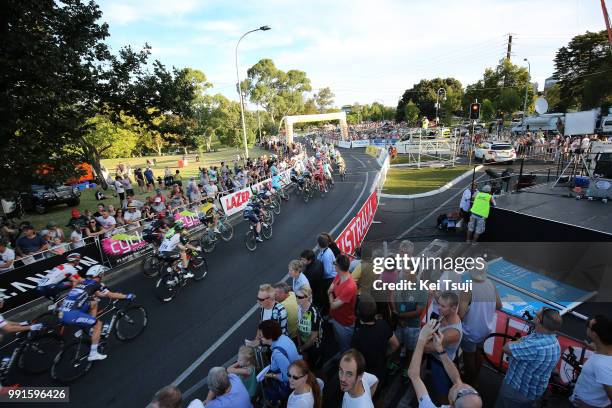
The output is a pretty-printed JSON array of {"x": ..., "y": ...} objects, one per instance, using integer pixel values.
[
  {"x": 594, "y": 386},
  {"x": 357, "y": 385},
  {"x": 133, "y": 215},
  {"x": 211, "y": 189},
  {"x": 7, "y": 257},
  {"x": 585, "y": 143},
  {"x": 466, "y": 204},
  {"x": 107, "y": 222}
]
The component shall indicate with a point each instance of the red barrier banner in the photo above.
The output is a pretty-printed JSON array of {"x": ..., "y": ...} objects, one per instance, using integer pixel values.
[{"x": 352, "y": 235}]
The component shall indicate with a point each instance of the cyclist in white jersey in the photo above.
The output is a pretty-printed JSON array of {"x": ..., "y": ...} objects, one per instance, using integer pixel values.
[
  {"x": 60, "y": 278},
  {"x": 177, "y": 238}
]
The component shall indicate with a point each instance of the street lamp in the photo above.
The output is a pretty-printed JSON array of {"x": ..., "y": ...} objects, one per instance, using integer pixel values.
[
  {"x": 244, "y": 136},
  {"x": 438, "y": 103},
  {"x": 526, "y": 89}
]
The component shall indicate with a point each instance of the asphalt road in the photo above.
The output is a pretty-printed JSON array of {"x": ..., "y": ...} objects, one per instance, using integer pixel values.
[{"x": 187, "y": 328}]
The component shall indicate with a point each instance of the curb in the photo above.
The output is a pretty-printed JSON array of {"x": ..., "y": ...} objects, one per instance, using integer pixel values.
[
  {"x": 423, "y": 165},
  {"x": 433, "y": 192}
]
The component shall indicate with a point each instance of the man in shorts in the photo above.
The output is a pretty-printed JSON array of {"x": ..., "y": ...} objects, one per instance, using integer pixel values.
[{"x": 483, "y": 200}]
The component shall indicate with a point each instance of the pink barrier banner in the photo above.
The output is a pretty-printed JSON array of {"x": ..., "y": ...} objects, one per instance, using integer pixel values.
[{"x": 356, "y": 230}]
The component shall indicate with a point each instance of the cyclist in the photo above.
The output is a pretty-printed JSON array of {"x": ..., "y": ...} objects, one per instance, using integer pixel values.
[
  {"x": 328, "y": 172},
  {"x": 177, "y": 237},
  {"x": 212, "y": 214},
  {"x": 252, "y": 212},
  {"x": 320, "y": 176},
  {"x": 60, "y": 278},
  {"x": 80, "y": 308},
  {"x": 6, "y": 326}
]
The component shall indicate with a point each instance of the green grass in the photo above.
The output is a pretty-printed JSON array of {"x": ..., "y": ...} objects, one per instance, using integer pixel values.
[
  {"x": 414, "y": 181},
  {"x": 61, "y": 213},
  {"x": 404, "y": 159}
]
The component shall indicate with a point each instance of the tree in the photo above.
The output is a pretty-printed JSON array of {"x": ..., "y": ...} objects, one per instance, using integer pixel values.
[
  {"x": 424, "y": 93},
  {"x": 509, "y": 100},
  {"x": 56, "y": 74},
  {"x": 324, "y": 99},
  {"x": 487, "y": 110},
  {"x": 553, "y": 97},
  {"x": 411, "y": 113},
  {"x": 583, "y": 71}
]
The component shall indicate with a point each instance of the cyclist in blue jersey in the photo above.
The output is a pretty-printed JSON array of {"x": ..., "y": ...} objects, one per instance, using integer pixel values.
[
  {"x": 80, "y": 308},
  {"x": 252, "y": 212}
]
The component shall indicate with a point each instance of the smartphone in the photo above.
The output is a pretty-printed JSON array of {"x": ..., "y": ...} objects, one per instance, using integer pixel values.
[{"x": 434, "y": 315}]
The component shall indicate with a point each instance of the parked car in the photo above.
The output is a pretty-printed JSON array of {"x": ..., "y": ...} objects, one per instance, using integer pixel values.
[
  {"x": 497, "y": 152},
  {"x": 42, "y": 198}
]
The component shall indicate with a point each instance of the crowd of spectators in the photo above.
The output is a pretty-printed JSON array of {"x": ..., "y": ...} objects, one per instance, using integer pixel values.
[{"x": 23, "y": 244}]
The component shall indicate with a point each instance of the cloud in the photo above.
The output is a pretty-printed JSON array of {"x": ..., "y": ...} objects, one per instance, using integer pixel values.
[{"x": 131, "y": 11}]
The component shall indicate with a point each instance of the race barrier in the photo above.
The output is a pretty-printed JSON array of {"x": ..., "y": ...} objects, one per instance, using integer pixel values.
[
  {"x": 355, "y": 231},
  {"x": 359, "y": 143},
  {"x": 235, "y": 202}
]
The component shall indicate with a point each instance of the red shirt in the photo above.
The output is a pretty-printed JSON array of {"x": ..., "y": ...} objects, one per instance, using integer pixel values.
[{"x": 347, "y": 293}]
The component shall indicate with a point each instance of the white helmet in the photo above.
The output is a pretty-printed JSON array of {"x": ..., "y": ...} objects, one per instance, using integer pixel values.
[{"x": 96, "y": 271}]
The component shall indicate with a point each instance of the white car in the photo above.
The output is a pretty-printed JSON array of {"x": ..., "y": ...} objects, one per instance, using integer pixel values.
[{"x": 495, "y": 152}]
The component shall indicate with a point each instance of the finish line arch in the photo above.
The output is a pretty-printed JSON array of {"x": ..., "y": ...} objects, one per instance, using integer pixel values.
[{"x": 291, "y": 120}]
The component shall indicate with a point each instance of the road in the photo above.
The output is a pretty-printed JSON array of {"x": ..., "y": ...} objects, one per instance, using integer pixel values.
[{"x": 186, "y": 329}]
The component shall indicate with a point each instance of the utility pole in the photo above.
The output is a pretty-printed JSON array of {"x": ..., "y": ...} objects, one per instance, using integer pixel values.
[
  {"x": 607, "y": 19},
  {"x": 509, "y": 50}
]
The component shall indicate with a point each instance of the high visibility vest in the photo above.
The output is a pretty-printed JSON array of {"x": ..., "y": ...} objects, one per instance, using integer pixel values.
[{"x": 482, "y": 204}]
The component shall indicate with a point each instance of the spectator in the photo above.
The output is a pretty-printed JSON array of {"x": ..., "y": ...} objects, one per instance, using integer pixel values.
[
  {"x": 147, "y": 213},
  {"x": 119, "y": 220},
  {"x": 99, "y": 211},
  {"x": 299, "y": 280},
  {"x": 480, "y": 212},
  {"x": 127, "y": 185},
  {"x": 211, "y": 189},
  {"x": 100, "y": 195},
  {"x": 245, "y": 369},
  {"x": 459, "y": 391},
  {"x": 355, "y": 262},
  {"x": 326, "y": 256},
  {"x": 332, "y": 244},
  {"x": 158, "y": 205},
  {"x": 270, "y": 310},
  {"x": 532, "y": 360},
  {"x": 30, "y": 244},
  {"x": 76, "y": 218},
  {"x": 477, "y": 314},
  {"x": 313, "y": 270},
  {"x": 466, "y": 204},
  {"x": 120, "y": 189},
  {"x": 150, "y": 180},
  {"x": 287, "y": 299},
  {"x": 140, "y": 180},
  {"x": 130, "y": 200},
  {"x": 284, "y": 353},
  {"x": 306, "y": 389},
  {"x": 169, "y": 397},
  {"x": 107, "y": 222},
  {"x": 176, "y": 197},
  {"x": 54, "y": 231},
  {"x": 358, "y": 385},
  {"x": 224, "y": 390},
  {"x": 178, "y": 179},
  {"x": 168, "y": 179},
  {"x": 132, "y": 216},
  {"x": 373, "y": 338},
  {"x": 159, "y": 194},
  {"x": 76, "y": 236},
  {"x": 93, "y": 228},
  {"x": 111, "y": 210},
  {"x": 448, "y": 304},
  {"x": 196, "y": 194},
  {"x": 594, "y": 385},
  {"x": 7, "y": 257},
  {"x": 309, "y": 326},
  {"x": 342, "y": 295}
]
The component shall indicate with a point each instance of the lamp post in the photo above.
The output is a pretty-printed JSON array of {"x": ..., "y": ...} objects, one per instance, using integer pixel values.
[
  {"x": 438, "y": 103},
  {"x": 526, "y": 89},
  {"x": 244, "y": 136}
]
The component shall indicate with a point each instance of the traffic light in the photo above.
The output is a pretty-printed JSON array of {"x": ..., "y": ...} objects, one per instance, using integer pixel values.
[{"x": 475, "y": 111}]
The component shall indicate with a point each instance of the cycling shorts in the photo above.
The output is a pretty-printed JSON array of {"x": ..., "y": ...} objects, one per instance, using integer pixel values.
[
  {"x": 251, "y": 217},
  {"x": 77, "y": 318},
  {"x": 51, "y": 291}
]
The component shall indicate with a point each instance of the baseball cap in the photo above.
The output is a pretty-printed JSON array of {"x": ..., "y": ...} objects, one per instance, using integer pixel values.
[
  {"x": 157, "y": 200},
  {"x": 132, "y": 207},
  {"x": 75, "y": 213}
]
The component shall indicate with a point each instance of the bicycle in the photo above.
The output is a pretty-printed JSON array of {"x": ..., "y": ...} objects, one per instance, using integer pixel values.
[
  {"x": 208, "y": 240},
  {"x": 127, "y": 323},
  {"x": 307, "y": 191},
  {"x": 34, "y": 353},
  {"x": 249, "y": 239},
  {"x": 168, "y": 286}
]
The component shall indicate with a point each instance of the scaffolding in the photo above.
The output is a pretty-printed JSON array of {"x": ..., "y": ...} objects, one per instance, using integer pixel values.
[{"x": 436, "y": 151}]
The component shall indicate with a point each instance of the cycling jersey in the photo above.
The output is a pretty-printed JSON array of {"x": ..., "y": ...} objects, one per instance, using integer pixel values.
[
  {"x": 58, "y": 274},
  {"x": 170, "y": 244},
  {"x": 276, "y": 182},
  {"x": 273, "y": 170},
  {"x": 208, "y": 209},
  {"x": 78, "y": 298}
]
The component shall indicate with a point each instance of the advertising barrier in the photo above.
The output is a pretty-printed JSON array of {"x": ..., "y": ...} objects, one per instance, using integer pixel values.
[
  {"x": 359, "y": 143},
  {"x": 18, "y": 286},
  {"x": 344, "y": 144},
  {"x": 352, "y": 235},
  {"x": 235, "y": 202},
  {"x": 124, "y": 247}
]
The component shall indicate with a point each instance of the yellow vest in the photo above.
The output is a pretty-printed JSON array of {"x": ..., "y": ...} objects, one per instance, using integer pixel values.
[{"x": 482, "y": 204}]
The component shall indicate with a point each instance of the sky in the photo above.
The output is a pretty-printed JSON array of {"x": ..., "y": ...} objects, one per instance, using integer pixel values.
[{"x": 365, "y": 51}]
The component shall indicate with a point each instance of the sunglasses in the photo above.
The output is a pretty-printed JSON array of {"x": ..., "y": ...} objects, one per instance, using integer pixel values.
[
  {"x": 301, "y": 297},
  {"x": 296, "y": 377},
  {"x": 264, "y": 299}
]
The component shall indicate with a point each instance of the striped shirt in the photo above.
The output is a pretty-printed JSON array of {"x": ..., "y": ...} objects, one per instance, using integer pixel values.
[
  {"x": 533, "y": 359},
  {"x": 279, "y": 313}
]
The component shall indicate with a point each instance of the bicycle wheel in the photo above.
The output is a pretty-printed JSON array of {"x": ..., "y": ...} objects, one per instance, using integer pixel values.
[
  {"x": 167, "y": 287},
  {"x": 39, "y": 352},
  {"x": 306, "y": 194},
  {"x": 499, "y": 340},
  {"x": 249, "y": 240},
  {"x": 199, "y": 268},
  {"x": 227, "y": 230},
  {"x": 207, "y": 242},
  {"x": 150, "y": 266},
  {"x": 266, "y": 231},
  {"x": 130, "y": 323},
  {"x": 277, "y": 207},
  {"x": 71, "y": 362}
]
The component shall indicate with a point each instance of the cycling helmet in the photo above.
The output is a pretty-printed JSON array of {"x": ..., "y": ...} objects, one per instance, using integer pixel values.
[
  {"x": 210, "y": 199},
  {"x": 73, "y": 257},
  {"x": 96, "y": 271},
  {"x": 178, "y": 225}
]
